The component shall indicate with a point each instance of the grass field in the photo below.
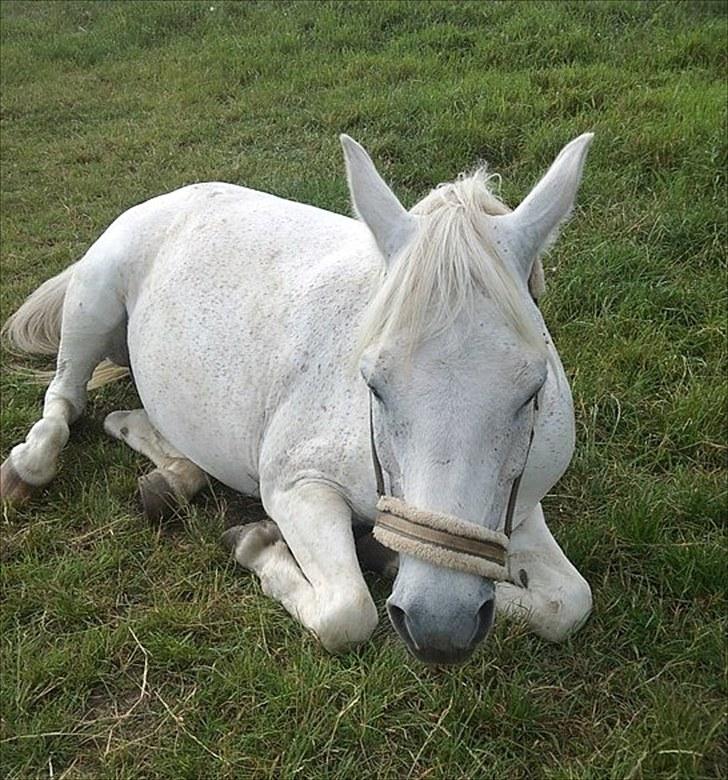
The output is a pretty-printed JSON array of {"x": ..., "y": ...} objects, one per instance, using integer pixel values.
[{"x": 128, "y": 653}]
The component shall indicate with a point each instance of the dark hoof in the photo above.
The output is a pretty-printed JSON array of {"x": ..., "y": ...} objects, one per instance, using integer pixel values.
[
  {"x": 247, "y": 542},
  {"x": 158, "y": 498},
  {"x": 375, "y": 557},
  {"x": 12, "y": 488},
  {"x": 230, "y": 537}
]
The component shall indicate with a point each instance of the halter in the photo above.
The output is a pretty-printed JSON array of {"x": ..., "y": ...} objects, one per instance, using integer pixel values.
[{"x": 439, "y": 538}]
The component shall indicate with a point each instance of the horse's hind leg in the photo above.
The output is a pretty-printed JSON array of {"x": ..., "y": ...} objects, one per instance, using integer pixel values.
[
  {"x": 93, "y": 319},
  {"x": 546, "y": 589},
  {"x": 174, "y": 482}
]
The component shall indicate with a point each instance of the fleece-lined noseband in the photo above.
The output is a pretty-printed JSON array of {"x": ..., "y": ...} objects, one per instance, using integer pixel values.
[{"x": 439, "y": 538}]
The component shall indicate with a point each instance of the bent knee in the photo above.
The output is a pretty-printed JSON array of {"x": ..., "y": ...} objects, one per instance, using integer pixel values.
[
  {"x": 345, "y": 622},
  {"x": 566, "y": 612}
]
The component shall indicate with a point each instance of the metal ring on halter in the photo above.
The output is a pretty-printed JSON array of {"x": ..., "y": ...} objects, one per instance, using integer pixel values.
[{"x": 439, "y": 538}]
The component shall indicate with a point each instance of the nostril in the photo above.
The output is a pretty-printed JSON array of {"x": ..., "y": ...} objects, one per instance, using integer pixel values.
[
  {"x": 399, "y": 620},
  {"x": 396, "y": 615},
  {"x": 483, "y": 621}
]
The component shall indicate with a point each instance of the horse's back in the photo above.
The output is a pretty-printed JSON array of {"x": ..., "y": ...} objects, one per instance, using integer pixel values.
[
  {"x": 219, "y": 227},
  {"x": 234, "y": 256}
]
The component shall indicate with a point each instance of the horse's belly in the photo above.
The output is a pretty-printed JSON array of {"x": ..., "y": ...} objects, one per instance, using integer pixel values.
[{"x": 214, "y": 429}]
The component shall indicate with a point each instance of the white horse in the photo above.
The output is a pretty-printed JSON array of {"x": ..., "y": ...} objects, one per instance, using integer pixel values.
[{"x": 243, "y": 318}]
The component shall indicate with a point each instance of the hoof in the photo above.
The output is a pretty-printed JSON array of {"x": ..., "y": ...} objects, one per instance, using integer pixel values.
[
  {"x": 159, "y": 500},
  {"x": 247, "y": 542},
  {"x": 374, "y": 556},
  {"x": 12, "y": 488}
]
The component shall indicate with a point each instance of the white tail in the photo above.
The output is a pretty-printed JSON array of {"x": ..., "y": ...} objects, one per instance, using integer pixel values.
[{"x": 35, "y": 329}]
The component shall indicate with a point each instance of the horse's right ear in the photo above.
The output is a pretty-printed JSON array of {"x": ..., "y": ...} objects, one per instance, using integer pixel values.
[
  {"x": 533, "y": 226},
  {"x": 374, "y": 203}
]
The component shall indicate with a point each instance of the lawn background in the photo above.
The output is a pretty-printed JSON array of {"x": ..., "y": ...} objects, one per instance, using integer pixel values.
[{"x": 128, "y": 653}]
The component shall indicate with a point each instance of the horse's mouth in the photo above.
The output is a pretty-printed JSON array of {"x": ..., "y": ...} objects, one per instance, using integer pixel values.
[
  {"x": 435, "y": 657},
  {"x": 432, "y": 656}
]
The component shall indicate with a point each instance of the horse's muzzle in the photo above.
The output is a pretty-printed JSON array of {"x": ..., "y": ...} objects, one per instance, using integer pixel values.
[{"x": 441, "y": 627}]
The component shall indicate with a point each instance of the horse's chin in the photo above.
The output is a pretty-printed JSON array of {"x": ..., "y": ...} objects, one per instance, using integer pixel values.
[{"x": 433, "y": 657}]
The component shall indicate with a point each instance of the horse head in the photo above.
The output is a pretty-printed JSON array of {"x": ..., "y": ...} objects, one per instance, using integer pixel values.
[{"x": 454, "y": 353}]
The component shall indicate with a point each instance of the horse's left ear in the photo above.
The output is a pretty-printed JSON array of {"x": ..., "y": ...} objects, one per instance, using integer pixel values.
[
  {"x": 375, "y": 204},
  {"x": 534, "y": 225}
]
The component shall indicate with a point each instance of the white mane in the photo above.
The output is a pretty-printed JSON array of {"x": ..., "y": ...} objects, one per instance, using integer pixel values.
[{"x": 451, "y": 260}]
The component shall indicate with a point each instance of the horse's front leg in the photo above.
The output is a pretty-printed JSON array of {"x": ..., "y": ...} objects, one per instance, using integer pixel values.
[
  {"x": 546, "y": 589},
  {"x": 307, "y": 561}
]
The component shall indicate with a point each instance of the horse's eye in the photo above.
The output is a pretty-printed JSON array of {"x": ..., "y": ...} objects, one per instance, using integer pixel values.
[
  {"x": 372, "y": 383},
  {"x": 373, "y": 390},
  {"x": 533, "y": 400}
]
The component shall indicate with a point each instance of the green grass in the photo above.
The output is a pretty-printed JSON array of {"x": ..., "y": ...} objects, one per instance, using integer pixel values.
[{"x": 107, "y": 104}]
